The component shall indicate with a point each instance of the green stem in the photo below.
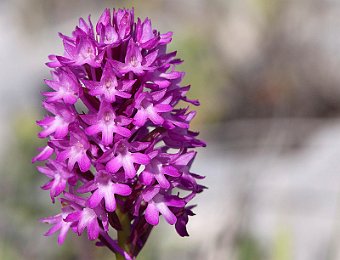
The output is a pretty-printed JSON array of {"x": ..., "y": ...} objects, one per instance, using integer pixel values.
[{"x": 124, "y": 234}]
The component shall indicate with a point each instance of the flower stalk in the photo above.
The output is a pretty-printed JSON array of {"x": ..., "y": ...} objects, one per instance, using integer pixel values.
[{"x": 123, "y": 235}]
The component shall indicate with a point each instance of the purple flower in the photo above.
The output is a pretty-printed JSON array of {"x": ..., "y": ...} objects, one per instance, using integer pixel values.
[
  {"x": 124, "y": 22},
  {"x": 104, "y": 20},
  {"x": 188, "y": 180},
  {"x": 104, "y": 188},
  {"x": 119, "y": 147},
  {"x": 182, "y": 215},
  {"x": 82, "y": 51},
  {"x": 59, "y": 223},
  {"x": 126, "y": 155},
  {"x": 44, "y": 154},
  {"x": 134, "y": 60},
  {"x": 76, "y": 150},
  {"x": 107, "y": 123},
  {"x": 66, "y": 87},
  {"x": 86, "y": 218},
  {"x": 109, "y": 86},
  {"x": 157, "y": 169},
  {"x": 106, "y": 31},
  {"x": 95, "y": 220},
  {"x": 158, "y": 203},
  {"x": 150, "y": 106},
  {"x": 179, "y": 118},
  {"x": 59, "y": 176},
  {"x": 57, "y": 125},
  {"x": 145, "y": 36}
]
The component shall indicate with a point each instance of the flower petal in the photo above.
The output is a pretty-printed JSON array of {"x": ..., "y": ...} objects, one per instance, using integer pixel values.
[
  {"x": 95, "y": 199},
  {"x": 140, "y": 158},
  {"x": 114, "y": 165},
  {"x": 122, "y": 189},
  {"x": 84, "y": 163},
  {"x": 152, "y": 214},
  {"x": 166, "y": 212}
]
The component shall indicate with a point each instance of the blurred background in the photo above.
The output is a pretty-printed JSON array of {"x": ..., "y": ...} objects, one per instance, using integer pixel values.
[{"x": 267, "y": 75}]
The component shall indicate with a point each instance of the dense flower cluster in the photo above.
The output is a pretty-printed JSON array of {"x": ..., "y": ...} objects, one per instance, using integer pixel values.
[{"x": 119, "y": 150}]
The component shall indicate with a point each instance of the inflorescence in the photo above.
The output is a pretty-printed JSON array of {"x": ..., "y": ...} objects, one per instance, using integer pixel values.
[{"x": 119, "y": 149}]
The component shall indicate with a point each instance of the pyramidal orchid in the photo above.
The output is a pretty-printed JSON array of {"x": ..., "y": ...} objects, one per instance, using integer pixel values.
[{"x": 119, "y": 148}]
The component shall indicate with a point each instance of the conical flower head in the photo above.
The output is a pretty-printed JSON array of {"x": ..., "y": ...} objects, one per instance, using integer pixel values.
[{"x": 119, "y": 149}]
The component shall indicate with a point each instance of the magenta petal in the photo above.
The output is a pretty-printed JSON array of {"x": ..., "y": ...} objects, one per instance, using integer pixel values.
[
  {"x": 63, "y": 156},
  {"x": 63, "y": 232},
  {"x": 162, "y": 180},
  {"x": 110, "y": 201},
  {"x": 111, "y": 35},
  {"x": 129, "y": 168},
  {"x": 53, "y": 229},
  {"x": 46, "y": 121},
  {"x": 163, "y": 108},
  {"x": 87, "y": 217},
  {"x": 47, "y": 185},
  {"x": 150, "y": 193},
  {"x": 46, "y": 170},
  {"x": 138, "y": 146},
  {"x": 93, "y": 230},
  {"x": 127, "y": 84},
  {"x": 158, "y": 95},
  {"x": 61, "y": 131},
  {"x": 46, "y": 132},
  {"x": 123, "y": 131},
  {"x": 171, "y": 171},
  {"x": 107, "y": 135},
  {"x": 124, "y": 120},
  {"x": 123, "y": 94},
  {"x": 150, "y": 58},
  {"x": 74, "y": 216},
  {"x": 140, "y": 118},
  {"x": 152, "y": 214},
  {"x": 71, "y": 162},
  {"x": 185, "y": 158},
  {"x": 84, "y": 163},
  {"x": 45, "y": 153},
  {"x": 155, "y": 118},
  {"x": 95, "y": 199},
  {"x": 163, "y": 83},
  {"x": 87, "y": 187},
  {"x": 140, "y": 158},
  {"x": 146, "y": 177},
  {"x": 166, "y": 212},
  {"x": 70, "y": 99},
  {"x": 89, "y": 119},
  {"x": 50, "y": 219},
  {"x": 175, "y": 202},
  {"x": 57, "y": 187},
  {"x": 103, "y": 20},
  {"x": 95, "y": 91},
  {"x": 122, "y": 189},
  {"x": 172, "y": 75},
  {"x": 93, "y": 129},
  {"x": 114, "y": 165}
]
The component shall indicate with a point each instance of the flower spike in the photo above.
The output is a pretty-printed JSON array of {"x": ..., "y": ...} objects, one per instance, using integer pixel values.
[{"x": 119, "y": 148}]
